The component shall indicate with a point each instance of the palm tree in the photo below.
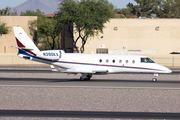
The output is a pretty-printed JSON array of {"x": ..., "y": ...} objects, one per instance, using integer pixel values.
[
  {"x": 7, "y": 10},
  {"x": 3, "y": 11}
]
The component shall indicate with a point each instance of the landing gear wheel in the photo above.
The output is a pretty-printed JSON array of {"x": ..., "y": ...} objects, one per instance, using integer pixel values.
[
  {"x": 85, "y": 77},
  {"x": 154, "y": 80},
  {"x": 155, "y": 77},
  {"x": 81, "y": 78},
  {"x": 88, "y": 77}
]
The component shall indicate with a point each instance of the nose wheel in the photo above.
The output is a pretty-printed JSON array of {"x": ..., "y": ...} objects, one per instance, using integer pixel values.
[{"x": 155, "y": 78}]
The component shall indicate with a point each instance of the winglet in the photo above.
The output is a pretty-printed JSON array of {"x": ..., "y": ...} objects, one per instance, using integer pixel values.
[{"x": 53, "y": 68}]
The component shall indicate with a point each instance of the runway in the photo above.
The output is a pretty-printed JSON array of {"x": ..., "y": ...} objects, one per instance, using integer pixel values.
[
  {"x": 66, "y": 83},
  {"x": 62, "y": 80},
  {"x": 88, "y": 114}
]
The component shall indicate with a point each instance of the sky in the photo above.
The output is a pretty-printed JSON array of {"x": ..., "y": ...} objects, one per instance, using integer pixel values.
[{"x": 13, "y": 3}]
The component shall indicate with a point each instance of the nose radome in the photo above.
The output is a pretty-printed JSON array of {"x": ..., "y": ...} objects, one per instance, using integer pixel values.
[{"x": 168, "y": 70}]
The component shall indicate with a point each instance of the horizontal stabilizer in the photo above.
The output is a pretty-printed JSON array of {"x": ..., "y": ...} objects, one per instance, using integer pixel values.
[{"x": 22, "y": 48}]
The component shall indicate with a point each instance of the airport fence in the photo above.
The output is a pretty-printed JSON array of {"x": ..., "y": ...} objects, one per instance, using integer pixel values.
[{"x": 171, "y": 62}]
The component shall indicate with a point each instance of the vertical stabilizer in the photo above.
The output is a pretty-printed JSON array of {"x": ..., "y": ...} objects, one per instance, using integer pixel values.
[{"x": 24, "y": 42}]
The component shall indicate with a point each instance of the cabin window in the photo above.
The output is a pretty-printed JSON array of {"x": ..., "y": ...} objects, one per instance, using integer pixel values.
[
  {"x": 100, "y": 60},
  {"x": 133, "y": 61},
  {"x": 113, "y": 61},
  {"x": 127, "y": 61},
  {"x": 107, "y": 61},
  {"x": 146, "y": 60},
  {"x": 120, "y": 61}
]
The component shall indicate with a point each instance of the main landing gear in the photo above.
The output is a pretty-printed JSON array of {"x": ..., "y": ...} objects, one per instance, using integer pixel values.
[
  {"x": 155, "y": 78},
  {"x": 85, "y": 77}
]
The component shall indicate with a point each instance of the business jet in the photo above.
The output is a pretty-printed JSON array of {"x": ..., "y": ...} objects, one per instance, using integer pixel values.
[{"x": 86, "y": 64}]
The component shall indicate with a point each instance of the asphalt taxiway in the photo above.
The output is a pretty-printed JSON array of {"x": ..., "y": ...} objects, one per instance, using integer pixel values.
[{"x": 75, "y": 82}]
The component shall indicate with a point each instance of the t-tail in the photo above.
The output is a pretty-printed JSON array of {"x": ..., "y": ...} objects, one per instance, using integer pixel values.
[
  {"x": 25, "y": 45},
  {"x": 28, "y": 50}
]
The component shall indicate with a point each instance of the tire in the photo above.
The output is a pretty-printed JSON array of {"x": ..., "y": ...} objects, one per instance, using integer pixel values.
[
  {"x": 154, "y": 80},
  {"x": 88, "y": 77},
  {"x": 81, "y": 78}
]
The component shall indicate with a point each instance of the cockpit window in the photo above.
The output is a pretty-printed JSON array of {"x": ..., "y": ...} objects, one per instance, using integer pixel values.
[{"x": 146, "y": 60}]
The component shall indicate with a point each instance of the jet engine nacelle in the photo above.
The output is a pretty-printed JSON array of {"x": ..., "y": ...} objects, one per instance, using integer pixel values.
[{"x": 50, "y": 54}]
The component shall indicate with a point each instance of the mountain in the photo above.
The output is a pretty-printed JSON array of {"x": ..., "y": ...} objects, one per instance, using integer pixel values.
[{"x": 46, "y": 6}]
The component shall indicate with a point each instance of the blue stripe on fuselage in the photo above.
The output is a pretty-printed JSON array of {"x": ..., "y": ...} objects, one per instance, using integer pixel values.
[
  {"x": 29, "y": 55},
  {"x": 24, "y": 53}
]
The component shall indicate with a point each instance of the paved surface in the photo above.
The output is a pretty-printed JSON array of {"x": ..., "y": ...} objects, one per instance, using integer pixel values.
[
  {"x": 88, "y": 114},
  {"x": 47, "y": 78},
  {"x": 75, "y": 83},
  {"x": 36, "y": 89}
]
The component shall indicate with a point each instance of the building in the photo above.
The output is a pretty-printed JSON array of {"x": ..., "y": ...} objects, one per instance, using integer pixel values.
[
  {"x": 9, "y": 39},
  {"x": 156, "y": 38},
  {"x": 8, "y": 56}
]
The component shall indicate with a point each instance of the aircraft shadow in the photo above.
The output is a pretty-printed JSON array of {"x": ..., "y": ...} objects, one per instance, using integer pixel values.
[{"x": 50, "y": 80}]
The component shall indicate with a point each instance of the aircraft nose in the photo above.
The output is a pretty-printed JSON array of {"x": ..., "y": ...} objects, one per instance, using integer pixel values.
[{"x": 167, "y": 70}]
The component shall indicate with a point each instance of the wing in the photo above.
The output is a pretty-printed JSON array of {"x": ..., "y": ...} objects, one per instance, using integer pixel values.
[{"x": 72, "y": 71}]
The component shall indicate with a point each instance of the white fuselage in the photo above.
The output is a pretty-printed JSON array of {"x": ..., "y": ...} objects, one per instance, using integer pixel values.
[{"x": 111, "y": 63}]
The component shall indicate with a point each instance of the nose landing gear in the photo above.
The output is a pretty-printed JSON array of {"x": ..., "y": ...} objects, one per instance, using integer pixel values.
[{"x": 155, "y": 77}]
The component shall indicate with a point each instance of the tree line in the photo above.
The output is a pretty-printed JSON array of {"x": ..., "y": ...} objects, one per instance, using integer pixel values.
[
  {"x": 151, "y": 8},
  {"x": 8, "y": 12}
]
